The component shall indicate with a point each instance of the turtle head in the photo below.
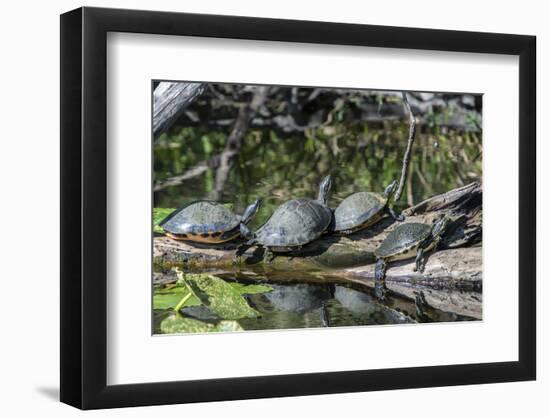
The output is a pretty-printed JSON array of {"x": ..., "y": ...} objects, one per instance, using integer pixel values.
[
  {"x": 440, "y": 226},
  {"x": 324, "y": 189},
  {"x": 250, "y": 211},
  {"x": 390, "y": 189}
]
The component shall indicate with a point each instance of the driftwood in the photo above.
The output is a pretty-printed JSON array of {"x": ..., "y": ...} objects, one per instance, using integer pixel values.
[
  {"x": 169, "y": 102},
  {"x": 451, "y": 281}
]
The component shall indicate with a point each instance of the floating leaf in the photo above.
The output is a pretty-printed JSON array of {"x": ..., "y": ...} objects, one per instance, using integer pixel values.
[
  {"x": 178, "y": 324},
  {"x": 169, "y": 298},
  {"x": 159, "y": 214},
  {"x": 223, "y": 299}
]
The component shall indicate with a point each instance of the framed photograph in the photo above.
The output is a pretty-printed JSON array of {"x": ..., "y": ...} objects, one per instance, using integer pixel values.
[{"x": 258, "y": 208}]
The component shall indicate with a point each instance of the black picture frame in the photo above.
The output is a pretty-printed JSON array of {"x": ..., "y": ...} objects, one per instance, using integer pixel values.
[{"x": 84, "y": 207}]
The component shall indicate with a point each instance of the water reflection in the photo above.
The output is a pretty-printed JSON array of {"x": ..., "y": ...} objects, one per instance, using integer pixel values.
[{"x": 299, "y": 305}]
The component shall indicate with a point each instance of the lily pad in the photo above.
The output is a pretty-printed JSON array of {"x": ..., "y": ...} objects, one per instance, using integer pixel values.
[
  {"x": 178, "y": 324},
  {"x": 222, "y": 298},
  {"x": 164, "y": 299}
]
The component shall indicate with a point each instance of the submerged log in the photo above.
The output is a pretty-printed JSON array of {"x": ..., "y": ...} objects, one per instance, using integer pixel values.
[{"x": 451, "y": 281}]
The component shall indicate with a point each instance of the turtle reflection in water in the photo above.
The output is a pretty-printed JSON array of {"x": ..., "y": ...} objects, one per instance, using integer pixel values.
[
  {"x": 293, "y": 224},
  {"x": 301, "y": 298},
  {"x": 207, "y": 222},
  {"x": 363, "y": 209},
  {"x": 362, "y": 305},
  {"x": 409, "y": 240}
]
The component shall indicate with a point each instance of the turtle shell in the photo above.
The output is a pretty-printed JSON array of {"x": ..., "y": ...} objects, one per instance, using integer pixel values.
[
  {"x": 204, "y": 221},
  {"x": 359, "y": 210},
  {"x": 295, "y": 223},
  {"x": 402, "y": 239}
]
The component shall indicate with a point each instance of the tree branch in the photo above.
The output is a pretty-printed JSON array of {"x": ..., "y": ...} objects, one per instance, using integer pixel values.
[{"x": 408, "y": 151}]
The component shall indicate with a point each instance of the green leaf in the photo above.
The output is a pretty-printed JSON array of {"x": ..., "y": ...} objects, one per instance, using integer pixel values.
[
  {"x": 223, "y": 299},
  {"x": 175, "y": 323},
  {"x": 164, "y": 299},
  {"x": 159, "y": 214}
]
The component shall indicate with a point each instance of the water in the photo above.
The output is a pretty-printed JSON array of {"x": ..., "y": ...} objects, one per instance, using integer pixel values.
[{"x": 304, "y": 305}]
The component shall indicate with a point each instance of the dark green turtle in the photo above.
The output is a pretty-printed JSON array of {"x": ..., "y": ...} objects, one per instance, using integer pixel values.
[
  {"x": 363, "y": 209},
  {"x": 207, "y": 222},
  {"x": 409, "y": 240},
  {"x": 293, "y": 224}
]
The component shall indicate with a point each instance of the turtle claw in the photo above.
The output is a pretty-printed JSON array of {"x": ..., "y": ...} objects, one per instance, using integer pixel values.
[{"x": 399, "y": 218}]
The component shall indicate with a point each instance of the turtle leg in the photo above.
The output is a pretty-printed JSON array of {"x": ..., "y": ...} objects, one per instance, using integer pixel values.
[
  {"x": 268, "y": 256},
  {"x": 420, "y": 252},
  {"x": 396, "y": 217},
  {"x": 241, "y": 249},
  {"x": 419, "y": 303},
  {"x": 419, "y": 266},
  {"x": 380, "y": 270},
  {"x": 380, "y": 290},
  {"x": 246, "y": 232}
]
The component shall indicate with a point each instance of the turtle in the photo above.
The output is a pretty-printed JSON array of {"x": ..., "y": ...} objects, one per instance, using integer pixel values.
[
  {"x": 363, "y": 209},
  {"x": 293, "y": 224},
  {"x": 207, "y": 222},
  {"x": 409, "y": 240}
]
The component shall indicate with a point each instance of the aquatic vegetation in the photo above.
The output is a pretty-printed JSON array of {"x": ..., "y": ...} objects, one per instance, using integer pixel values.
[{"x": 225, "y": 300}]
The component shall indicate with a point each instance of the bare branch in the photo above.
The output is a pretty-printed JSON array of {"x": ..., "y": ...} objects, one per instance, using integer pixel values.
[{"x": 408, "y": 151}]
